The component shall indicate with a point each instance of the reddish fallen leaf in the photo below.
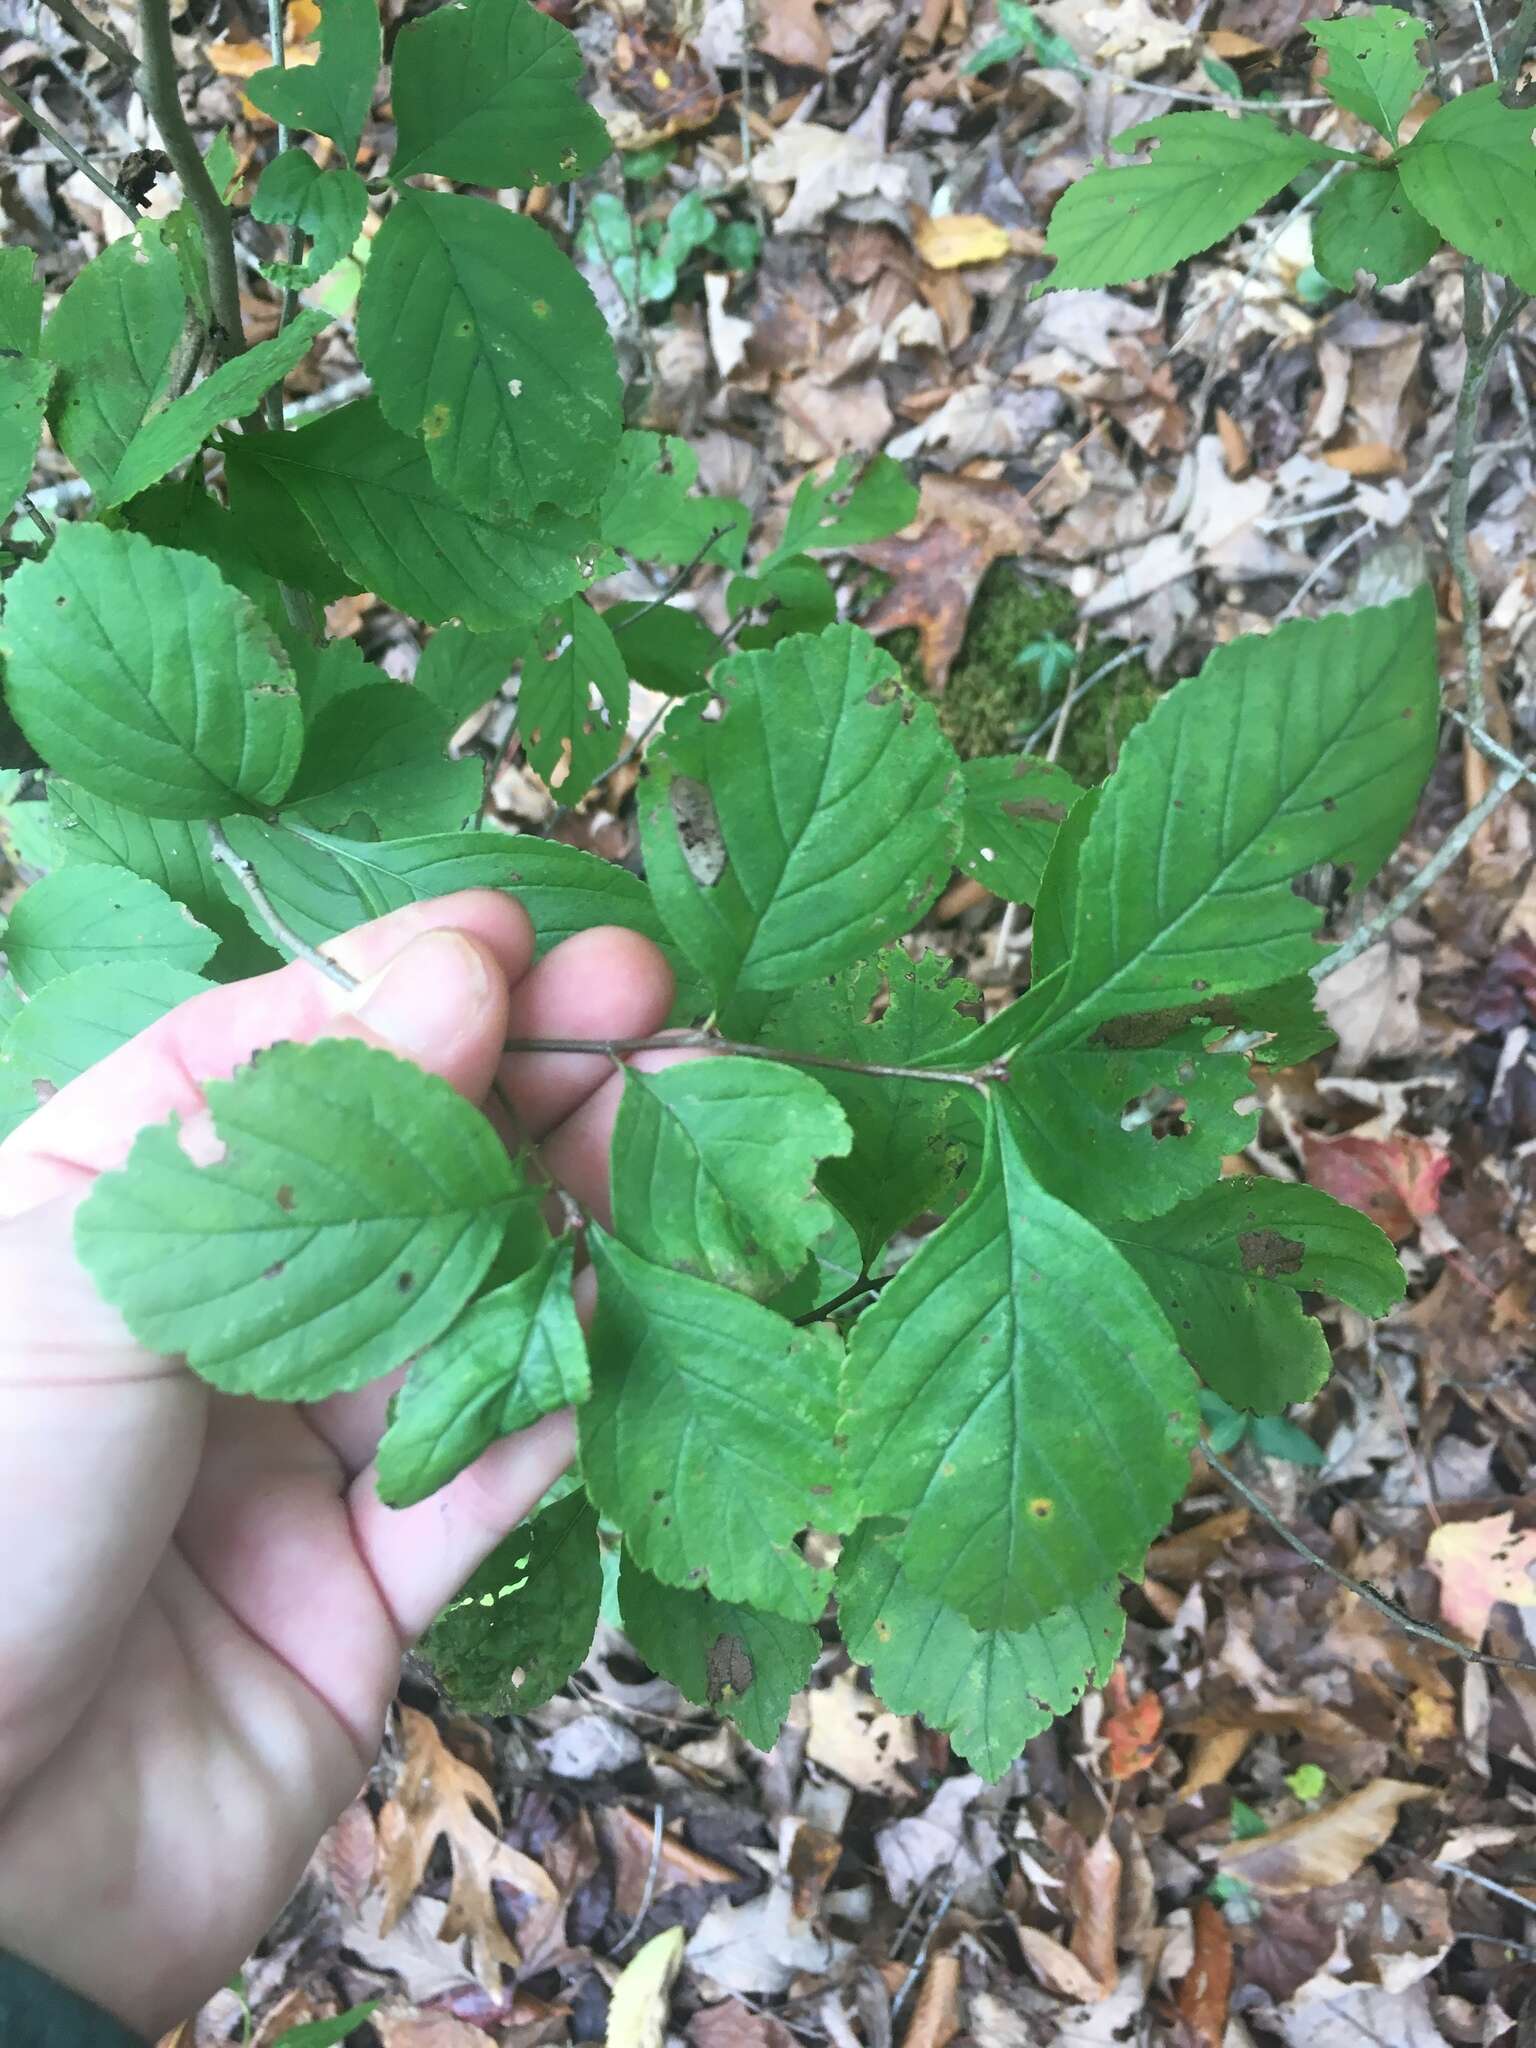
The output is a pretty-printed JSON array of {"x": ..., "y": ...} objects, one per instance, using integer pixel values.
[
  {"x": 1480, "y": 1563},
  {"x": 666, "y": 88},
  {"x": 1132, "y": 1734},
  {"x": 1394, "y": 1181},
  {"x": 1204, "y": 1995}
]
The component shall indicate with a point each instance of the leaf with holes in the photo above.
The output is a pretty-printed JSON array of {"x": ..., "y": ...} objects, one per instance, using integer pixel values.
[
  {"x": 1014, "y": 807},
  {"x": 91, "y": 917},
  {"x": 1207, "y": 175},
  {"x": 459, "y": 670},
  {"x": 377, "y": 752},
  {"x": 746, "y": 1664},
  {"x": 709, "y": 1435},
  {"x": 714, "y": 1169},
  {"x": 647, "y": 507},
  {"x": 1367, "y": 222},
  {"x": 1228, "y": 1267},
  {"x": 516, "y": 393},
  {"x": 354, "y": 1208},
  {"x": 327, "y": 207},
  {"x": 1016, "y": 1397},
  {"x": 1471, "y": 170},
  {"x": 558, "y": 722},
  {"x": 1374, "y": 67},
  {"x": 990, "y": 1690},
  {"x": 167, "y": 692},
  {"x": 487, "y": 94},
  {"x": 770, "y": 860},
  {"x": 334, "y": 95},
  {"x": 522, "y": 1624},
  {"x": 514, "y": 1355},
  {"x": 846, "y": 508}
]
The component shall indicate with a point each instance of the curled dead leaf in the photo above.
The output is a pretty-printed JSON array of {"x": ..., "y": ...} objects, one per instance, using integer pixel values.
[{"x": 1326, "y": 1847}]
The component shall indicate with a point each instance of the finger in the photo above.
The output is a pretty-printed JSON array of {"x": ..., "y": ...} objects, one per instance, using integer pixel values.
[
  {"x": 420, "y": 1556},
  {"x": 449, "y": 1000},
  {"x": 604, "y": 983}
]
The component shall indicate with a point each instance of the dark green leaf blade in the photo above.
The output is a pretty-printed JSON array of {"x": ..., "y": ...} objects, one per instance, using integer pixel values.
[
  {"x": 459, "y": 670},
  {"x": 708, "y": 1437},
  {"x": 24, "y": 386},
  {"x": 1374, "y": 67},
  {"x": 1367, "y": 222},
  {"x": 1208, "y": 173},
  {"x": 746, "y": 1664},
  {"x": 557, "y": 721},
  {"x": 358, "y": 1203},
  {"x": 714, "y": 1169},
  {"x": 370, "y": 497},
  {"x": 90, "y": 917},
  {"x": 333, "y": 96},
  {"x": 769, "y": 858},
  {"x": 1471, "y": 170},
  {"x": 1014, "y": 807},
  {"x": 379, "y": 751},
  {"x": 990, "y": 1690},
  {"x": 648, "y": 510},
  {"x": 523, "y": 1623},
  {"x": 1017, "y": 1397},
  {"x": 487, "y": 94},
  {"x": 516, "y": 392},
  {"x": 328, "y": 207},
  {"x": 1227, "y": 1269},
  {"x": 514, "y": 1355},
  {"x": 21, "y": 301}
]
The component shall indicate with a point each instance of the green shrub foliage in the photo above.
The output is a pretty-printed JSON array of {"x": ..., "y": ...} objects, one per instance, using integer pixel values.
[{"x": 947, "y": 1290}]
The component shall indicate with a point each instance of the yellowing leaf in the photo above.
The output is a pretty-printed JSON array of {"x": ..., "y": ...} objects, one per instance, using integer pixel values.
[
  {"x": 1480, "y": 1563},
  {"x": 637, "y": 2017},
  {"x": 949, "y": 240}
]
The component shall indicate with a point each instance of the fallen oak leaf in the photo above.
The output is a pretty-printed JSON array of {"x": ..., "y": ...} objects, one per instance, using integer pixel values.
[
  {"x": 1322, "y": 1848},
  {"x": 1479, "y": 1564},
  {"x": 1395, "y": 1181}
]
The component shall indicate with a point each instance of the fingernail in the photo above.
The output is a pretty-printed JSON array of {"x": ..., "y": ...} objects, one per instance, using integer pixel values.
[{"x": 428, "y": 994}]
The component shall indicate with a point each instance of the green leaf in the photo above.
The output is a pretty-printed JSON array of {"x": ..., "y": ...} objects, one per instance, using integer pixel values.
[
  {"x": 516, "y": 389},
  {"x": 1373, "y": 64},
  {"x": 173, "y": 853},
  {"x": 323, "y": 885},
  {"x": 845, "y": 508},
  {"x": 665, "y": 648},
  {"x": 647, "y": 508},
  {"x": 1227, "y": 1268},
  {"x": 556, "y": 718},
  {"x": 708, "y": 1437},
  {"x": 379, "y": 751},
  {"x": 796, "y": 597},
  {"x": 235, "y": 389},
  {"x": 76, "y": 1020},
  {"x": 87, "y": 917},
  {"x": 334, "y": 96},
  {"x": 990, "y": 1690},
  {"x": 513, "y": 1355},
  {"x": 904, "y": 1157},
  {"x": 1276, "y": 1436},
  {"x": 745, "y": 1664},
  {"x": 771, "y": 858},
  {"x": 489, "y": 94},
  {"x": 357, "y": 1204},
  {"x": 327, "y": 2033},
  {"x": 21, "y": 301},
  {"x": 1365, "y": 222},
  {"x": 459, "y": 670},
  {"x": 265, "y": 547},
  {"x": 1014, "y": 806},
  {"x": 370, "y": 496},
  {"x": 163, "y": 689},
  {"x": 525, "y": 1620},
  {"x": 327, "y": 206},
  {"x": 1016, "y": 1396},
  {"x": 1307, "y": 744},
  {"x": 24, "y": 384},
  {"x": 1209, "y": 172},
  {"x": 714, "y": 1169},
  {"x": 1471, "y": 170}
]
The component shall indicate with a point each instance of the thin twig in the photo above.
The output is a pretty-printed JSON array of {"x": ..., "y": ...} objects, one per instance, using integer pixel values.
[
  {"x": 67, "y": 149},
  {"x": 1488, "y": 1884},
  {"x": 919, "y": 1961},
  {"x": 675, "y": 582},
  {"x": 162, "y": 96},
  {"x": 863, "y": 1285},
  {"x": 1449, "y": 851},
  {"x": 709, "y": 1041},
  {"x": 40, "y": 518},
  {"x": 84, "y": 30},
  {"x": 1369, "y": 1594},
  {"x": 1487, "y": 35},
  {"x": 1319, "y": 570},
  {"x": 658, "y": 1830},
  {"x": 286, "y": 937},
  {"x": 1076, "y": 696}
]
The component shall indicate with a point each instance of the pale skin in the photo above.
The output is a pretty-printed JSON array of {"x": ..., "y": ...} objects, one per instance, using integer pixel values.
[{"x": 205, "y": 1602}]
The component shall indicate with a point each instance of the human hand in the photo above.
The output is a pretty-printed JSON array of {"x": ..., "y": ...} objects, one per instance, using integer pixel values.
[{"x": 203, "y": 1601}]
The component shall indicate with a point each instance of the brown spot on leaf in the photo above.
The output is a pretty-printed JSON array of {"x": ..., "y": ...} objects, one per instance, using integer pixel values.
[
  {"x": 285, "y": 1198},
  {"x": 1267, "y": 1252},
  {"x": 730, "y": 1669}
]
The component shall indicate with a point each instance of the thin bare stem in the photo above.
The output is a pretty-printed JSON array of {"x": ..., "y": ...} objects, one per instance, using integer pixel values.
[
  {"x": 1483, "y": 344},
  {"x": 84, "y": 30},
  {"x": 675, "y": 582},
  {"x": 286, "y": 937},
  {"x": 709, "y": 1041},
  {"x": 1445, "y": 855},
  {"x": 67, "y": 149},
  {"x": 277, "y": 11},
  {"x": 162, "y": 96},
  {"x": 1519, "y": 41},
  {"x": 658, "y": 1831},
  {"x": 1383, "y": 1606}
]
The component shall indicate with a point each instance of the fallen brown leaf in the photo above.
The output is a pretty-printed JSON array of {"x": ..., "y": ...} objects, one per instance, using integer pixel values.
[
  {"x": 936, "y": 2014},
  {"x": 813, "y": 1856},
  {"x": 427, "y": 2030},
  {"x": 437, "y": 1794},
  {"x": 665, "y": 85},
  {"x": 1395, "y": 1181},
  {"x": 1057, "y": 1968},
  {"x": 731, "y": 2025},
  {"x": 793, "y": 32},
  {"x": 1326, "y": 1847},
  {"x": 1093, "y": 1892},
  {"x": 1481, "y": 1563},
  {"x": 1203, "y": 1997}
]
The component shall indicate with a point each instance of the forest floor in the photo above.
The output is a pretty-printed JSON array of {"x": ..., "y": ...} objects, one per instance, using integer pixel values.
[{"x": 1286, "y": 1819}]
